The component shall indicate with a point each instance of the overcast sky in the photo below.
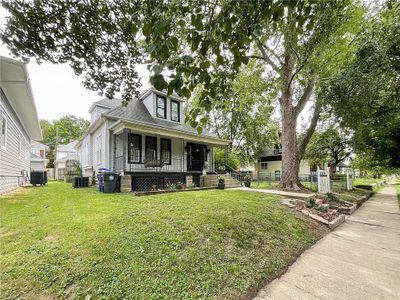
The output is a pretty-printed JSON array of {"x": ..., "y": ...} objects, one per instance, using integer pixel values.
[{"x": 57, "y": 90}]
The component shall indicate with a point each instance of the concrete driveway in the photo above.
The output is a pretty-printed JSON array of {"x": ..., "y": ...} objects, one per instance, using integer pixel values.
[{"x": 358, "y": 260}]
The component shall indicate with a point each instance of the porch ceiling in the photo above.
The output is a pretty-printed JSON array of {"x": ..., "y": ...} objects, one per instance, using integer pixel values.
[{"x": 154, "y": 130}]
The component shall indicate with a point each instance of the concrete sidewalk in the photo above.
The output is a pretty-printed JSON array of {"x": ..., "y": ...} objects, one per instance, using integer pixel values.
[{"x": 359, "y": 260}]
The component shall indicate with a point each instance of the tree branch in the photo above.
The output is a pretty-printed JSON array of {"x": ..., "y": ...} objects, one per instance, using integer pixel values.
[
  {"x": 267, "y": 58},
  {"x": 301, "y": 148},
  {"x": 305, "y": 97},
  {"x": 273, "y": 53}
]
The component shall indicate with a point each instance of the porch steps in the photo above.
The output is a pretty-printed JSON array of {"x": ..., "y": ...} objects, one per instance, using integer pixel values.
[{"x": 230, "y": 182}]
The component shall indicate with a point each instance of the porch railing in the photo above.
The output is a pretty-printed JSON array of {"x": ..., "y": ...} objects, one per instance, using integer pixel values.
[{"x": 176, "y": 165}]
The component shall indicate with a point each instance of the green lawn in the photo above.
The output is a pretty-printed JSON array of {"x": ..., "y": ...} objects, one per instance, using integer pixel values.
[
  {"x": 366, "y": 181},
  {"x": 273, "y": 185},
  {"x": 354, "y": 195},
  {"x": 59, "y": 242}
]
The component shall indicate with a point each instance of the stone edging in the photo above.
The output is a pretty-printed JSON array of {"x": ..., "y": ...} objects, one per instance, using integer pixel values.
[{"x": 173, "y": 191}]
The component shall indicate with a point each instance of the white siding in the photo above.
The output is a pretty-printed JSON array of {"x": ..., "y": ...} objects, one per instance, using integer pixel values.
[
  {"x": 14, "y": 157},
  {"x": 37, "y": 166},
  {"x": 103, "y": 162},
  {"x": 149, "y": 102},
  {"x": 97, "y": 111}
]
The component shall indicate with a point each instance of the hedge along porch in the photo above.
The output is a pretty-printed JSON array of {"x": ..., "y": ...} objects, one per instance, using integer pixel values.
[{"x": 152, "y": 157}]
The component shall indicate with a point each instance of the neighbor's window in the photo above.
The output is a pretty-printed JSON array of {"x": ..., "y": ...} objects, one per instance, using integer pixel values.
[
  {"x": 175, "y": 111},
  {"x": 3, "y": 129},
  {"x": 166, "y": 151},
  {"x": 264, "y": 166},
  {"x": 151, "y": 147},
  {"x": 135, "y": 148},
  {"x": 99, "y": 142},
  {"x": 161, "y": 107}
]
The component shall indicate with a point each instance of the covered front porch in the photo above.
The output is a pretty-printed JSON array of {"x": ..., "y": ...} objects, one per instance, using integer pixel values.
[{"x": 141, "y": 149}]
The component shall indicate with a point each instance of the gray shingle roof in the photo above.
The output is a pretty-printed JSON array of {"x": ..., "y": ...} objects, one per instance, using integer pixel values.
[
  {"x": 67, "y": 148},
  {"x": 36, "y": 157},
  {"x": 136, "y": 111},
  {"x": 111, "y": 103},
  {"x": 70, "y": 156}
]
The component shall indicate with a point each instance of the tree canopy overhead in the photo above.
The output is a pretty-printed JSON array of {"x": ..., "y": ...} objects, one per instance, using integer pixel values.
[{"x": 192, "y": 43}]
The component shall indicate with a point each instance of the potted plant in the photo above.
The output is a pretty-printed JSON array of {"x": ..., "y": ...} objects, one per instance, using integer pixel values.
[
  {"x": 247, "y": 180},
  {"x": 221, "y": 182}
]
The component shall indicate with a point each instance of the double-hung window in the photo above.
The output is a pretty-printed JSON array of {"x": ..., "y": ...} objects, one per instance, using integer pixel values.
[
  {"x": 166, "y": 151},
  {"x": 3, "y": 129},
  {"x": 134, "y": 148},
  {"x": 99, "y": 146},
  {"x": 161, "y": 107},
  {"x": 264, "y": 166},
  {"x": 175, "y": 112},
  {"x": 151, "y": 148}
]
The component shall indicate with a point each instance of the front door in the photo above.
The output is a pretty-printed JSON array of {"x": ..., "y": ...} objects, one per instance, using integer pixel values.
[{"x": 195, "y": 159}]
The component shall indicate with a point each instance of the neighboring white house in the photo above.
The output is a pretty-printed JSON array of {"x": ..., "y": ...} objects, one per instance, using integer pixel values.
[
  {"x": 147, "y": 141},
  {"x": 19, "y": 124},
  {"x": 270, "y": 164},
  {"x": 64, "y": 153},
  {"x": 38, "y": 156}
]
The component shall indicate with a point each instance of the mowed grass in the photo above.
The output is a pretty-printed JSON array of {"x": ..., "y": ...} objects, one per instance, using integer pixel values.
[
  {"x": 59, "y": 242},
  {"x": 366, "y": 180}
]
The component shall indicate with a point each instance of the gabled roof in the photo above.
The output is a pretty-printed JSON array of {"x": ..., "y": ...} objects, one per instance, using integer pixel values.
[
  {"x": 107, "y": 103},
  {"x": 36, "y": 144},
  {"x": 67, "y": 148},
  {"x": 14, "y": 81},
  {"x": 136, "y": 111},
  {"x": 70, "y": 156},
  {"x": 35, "y": 157}
]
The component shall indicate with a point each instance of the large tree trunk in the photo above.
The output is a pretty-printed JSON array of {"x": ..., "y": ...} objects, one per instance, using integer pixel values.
[{"x": 290, "y": 159}]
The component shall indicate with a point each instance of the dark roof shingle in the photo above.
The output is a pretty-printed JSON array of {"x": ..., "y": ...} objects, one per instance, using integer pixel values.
[{"x": 137, "y": 111}]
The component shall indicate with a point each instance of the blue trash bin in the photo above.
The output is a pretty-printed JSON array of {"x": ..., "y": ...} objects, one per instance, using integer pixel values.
[{"x": 100, "y": 178}]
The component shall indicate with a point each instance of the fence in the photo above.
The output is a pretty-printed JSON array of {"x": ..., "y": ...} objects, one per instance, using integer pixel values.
[
  {"x": 338, "y": 182},
  {"x": 271, "y": 180}
]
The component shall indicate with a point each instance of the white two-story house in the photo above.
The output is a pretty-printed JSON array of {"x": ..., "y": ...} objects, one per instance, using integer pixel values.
[
  {"x": 38, "y": 156},
  {"x": 269, "y": 164},
  {"x": 147, "y": 141},
  {"x": 19, "y": 124}
]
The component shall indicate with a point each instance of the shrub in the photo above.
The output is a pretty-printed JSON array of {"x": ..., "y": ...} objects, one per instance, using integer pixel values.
[
  {"x": 311, "y": 202},
  {"x": 247, "y": 178},
  {"x": 172, "y": 186},
  {"x": 221, "y": 179},
  {"x": 321, "y": 208}
]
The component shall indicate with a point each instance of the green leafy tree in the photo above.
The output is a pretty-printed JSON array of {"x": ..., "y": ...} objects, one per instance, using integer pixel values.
[
  {"x": 192, "y": 43},
  {"x": 232, "y": 159},
  {"x": 245, "y": 115},
  {"x": 330, "y": 146},
  {"x": 69, "y": 128},
  {"x": 365, "y": 97}
]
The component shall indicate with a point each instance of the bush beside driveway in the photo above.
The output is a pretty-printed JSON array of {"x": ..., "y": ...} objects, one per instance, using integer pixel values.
[{"x": 60, "y": 242}]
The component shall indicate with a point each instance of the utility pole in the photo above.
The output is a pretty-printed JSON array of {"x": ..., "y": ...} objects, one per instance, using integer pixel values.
[{"x": 55, "y": 154}]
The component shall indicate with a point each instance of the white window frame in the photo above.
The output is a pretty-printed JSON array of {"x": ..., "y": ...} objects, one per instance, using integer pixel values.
[
  {"x": 4, "y": 118},
  {"x": 99, "y": 142}
]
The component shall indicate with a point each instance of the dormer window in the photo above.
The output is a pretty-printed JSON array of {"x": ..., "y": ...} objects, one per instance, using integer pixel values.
[
  {"x": 161, "y": 107},
  {"x": 175, "y": 111}
]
